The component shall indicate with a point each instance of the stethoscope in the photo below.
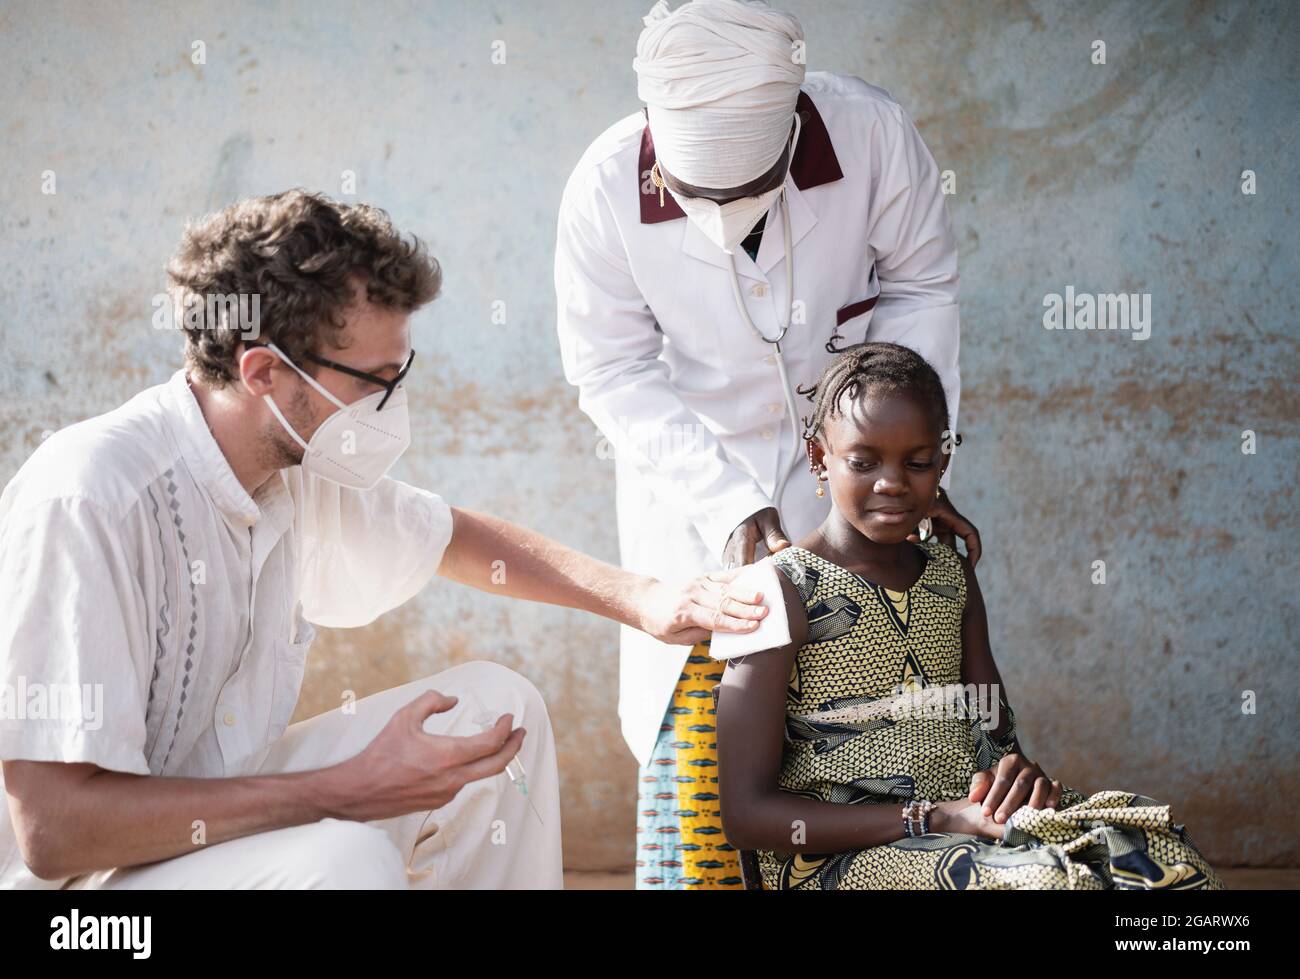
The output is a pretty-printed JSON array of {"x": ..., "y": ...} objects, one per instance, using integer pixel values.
[
  {"x": 791, "y": 409},
  {"x": 926, "y": 527}
]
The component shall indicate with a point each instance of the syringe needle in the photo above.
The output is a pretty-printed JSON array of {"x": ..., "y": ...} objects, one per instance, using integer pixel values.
[{"x": 519, "y": 781}]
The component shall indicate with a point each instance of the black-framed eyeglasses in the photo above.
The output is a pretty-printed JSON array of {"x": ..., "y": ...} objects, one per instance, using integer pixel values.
[{"x": 389, "y": 386}]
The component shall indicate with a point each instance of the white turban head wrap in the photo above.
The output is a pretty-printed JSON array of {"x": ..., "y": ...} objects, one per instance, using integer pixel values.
[{"x": 720, "y": 80}]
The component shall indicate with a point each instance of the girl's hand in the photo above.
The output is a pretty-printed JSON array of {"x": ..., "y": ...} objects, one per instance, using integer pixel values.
[
  {"x": 960, "y": 816},
  {"x": 1014, "y": 782}
]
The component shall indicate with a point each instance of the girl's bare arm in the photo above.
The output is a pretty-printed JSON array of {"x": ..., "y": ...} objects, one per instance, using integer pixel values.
[
  {"x": 756, "y": 815},
  {"x": 1015, "y": 780},
  {"x": 977, "y": 664}
]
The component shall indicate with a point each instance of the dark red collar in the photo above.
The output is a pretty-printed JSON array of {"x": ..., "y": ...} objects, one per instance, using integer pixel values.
[{"x": 814, "y": 164}]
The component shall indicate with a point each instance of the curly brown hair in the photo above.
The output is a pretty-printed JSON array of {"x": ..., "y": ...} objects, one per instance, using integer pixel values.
[{"x": 301, "y": 255}]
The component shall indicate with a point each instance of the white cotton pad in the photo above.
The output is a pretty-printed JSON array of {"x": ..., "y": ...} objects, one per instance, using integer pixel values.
[{"x": 773, "y": 629}]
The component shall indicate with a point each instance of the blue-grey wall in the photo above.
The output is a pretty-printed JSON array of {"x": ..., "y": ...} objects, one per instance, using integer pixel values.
[{"x": 1080, "y": 446}]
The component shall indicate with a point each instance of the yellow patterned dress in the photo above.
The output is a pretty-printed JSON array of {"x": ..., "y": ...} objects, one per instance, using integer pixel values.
[
  {"x": 876, "y": 714},
  {"x": 679, "y": 839}
]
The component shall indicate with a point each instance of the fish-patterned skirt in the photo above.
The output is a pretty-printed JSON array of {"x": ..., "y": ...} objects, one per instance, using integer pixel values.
[{"x": 679, "y": 841}]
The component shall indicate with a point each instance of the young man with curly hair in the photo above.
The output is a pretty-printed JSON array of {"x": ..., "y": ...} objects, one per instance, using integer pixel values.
[{"x": 162, "y": 566}]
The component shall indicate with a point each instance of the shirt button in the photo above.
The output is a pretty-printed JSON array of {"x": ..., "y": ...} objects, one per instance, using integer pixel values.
[
  {"x": 229, "y": 719},
  {"x": 759, "y": 290},
  {"x": 766, "y": 433}
]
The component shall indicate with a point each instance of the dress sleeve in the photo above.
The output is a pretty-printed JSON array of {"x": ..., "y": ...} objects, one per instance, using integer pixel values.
[
  {"x": 797, "y": 571},
  {"x": 948, "y": 575},
  {"x": 959, "y": 573}
]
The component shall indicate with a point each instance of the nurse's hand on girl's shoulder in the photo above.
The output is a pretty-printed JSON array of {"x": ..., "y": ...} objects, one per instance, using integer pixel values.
[
  {"x": 765, "y": 526},
  {"x": 687, "y": 613},
  {"x": 949, "y": 525}
]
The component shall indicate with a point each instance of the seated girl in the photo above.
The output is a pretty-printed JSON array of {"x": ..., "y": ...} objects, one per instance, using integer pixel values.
[{"x": 877, "y": 748}]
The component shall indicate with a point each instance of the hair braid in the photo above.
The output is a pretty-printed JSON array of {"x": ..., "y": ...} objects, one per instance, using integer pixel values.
[{"x": 874, "y": 365}]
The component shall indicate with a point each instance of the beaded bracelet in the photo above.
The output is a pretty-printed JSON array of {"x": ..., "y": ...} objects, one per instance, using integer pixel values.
[
  {"x": 917, "y": 822},
  {"x": 916, "y": 817}
]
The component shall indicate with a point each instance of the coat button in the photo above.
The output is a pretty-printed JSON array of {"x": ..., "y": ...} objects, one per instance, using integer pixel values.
[
  {"x": 766, "y": 433},
  {"x": 759, "y": 290},
  {"x": 770, "y": 359},
  {"x": 773, "y": 407},
  {"x": 229, "y": 719}
]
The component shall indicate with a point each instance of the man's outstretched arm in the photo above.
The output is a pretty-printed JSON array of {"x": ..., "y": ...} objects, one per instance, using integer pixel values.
[{"x": 500, "y": 557}]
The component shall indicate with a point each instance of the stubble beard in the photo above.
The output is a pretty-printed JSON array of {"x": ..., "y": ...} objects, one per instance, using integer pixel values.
[{"x": 279, "y": 450}]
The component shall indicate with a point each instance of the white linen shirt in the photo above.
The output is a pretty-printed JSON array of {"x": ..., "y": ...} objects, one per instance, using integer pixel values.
[{"x": 136, "y": 569}]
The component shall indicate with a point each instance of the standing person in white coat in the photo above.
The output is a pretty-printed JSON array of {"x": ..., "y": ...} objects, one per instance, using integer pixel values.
[{"x": 712, "y": 252}]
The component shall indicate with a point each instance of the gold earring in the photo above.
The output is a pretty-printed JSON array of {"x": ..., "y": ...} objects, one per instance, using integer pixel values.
[{"x": 657, "y": 179}]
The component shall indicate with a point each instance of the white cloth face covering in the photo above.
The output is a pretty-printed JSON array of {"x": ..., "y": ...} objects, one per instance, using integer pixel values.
[
  {"x": 358, "y": 444},
  {"x": 727, "y": 225}
]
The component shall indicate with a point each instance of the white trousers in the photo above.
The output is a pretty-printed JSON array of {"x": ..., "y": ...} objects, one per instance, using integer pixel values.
[{"x": 487, "y": 837}]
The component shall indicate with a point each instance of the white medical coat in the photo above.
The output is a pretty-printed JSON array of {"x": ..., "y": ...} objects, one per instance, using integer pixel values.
[{"x": 687, "y": 395}]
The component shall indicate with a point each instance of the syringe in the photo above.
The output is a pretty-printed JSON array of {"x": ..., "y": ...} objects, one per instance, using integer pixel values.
[{"x": 514, "y": 768}]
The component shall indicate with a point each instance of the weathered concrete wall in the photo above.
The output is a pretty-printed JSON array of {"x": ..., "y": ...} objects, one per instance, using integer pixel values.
[{"x": 1081, "y": 446}]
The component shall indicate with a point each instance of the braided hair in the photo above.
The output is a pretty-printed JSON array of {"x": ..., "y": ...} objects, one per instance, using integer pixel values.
[{"x": 875, "y": 365}]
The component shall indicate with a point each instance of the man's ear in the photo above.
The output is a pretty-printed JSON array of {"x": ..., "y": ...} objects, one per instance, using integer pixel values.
[{"x": 255, "y": 369}]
